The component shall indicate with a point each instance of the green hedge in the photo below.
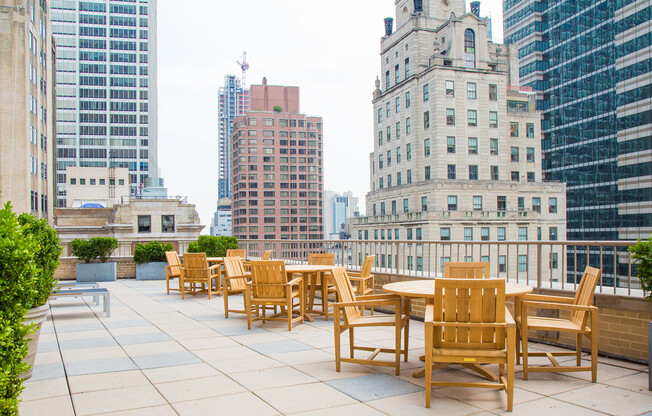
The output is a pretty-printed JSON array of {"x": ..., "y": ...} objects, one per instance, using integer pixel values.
[
  {"x": 95, "y": 248},
  {"x": 151, "y": 252},
  {"x": 213, "y": 246},
  {"x": 642, "y": 253}
]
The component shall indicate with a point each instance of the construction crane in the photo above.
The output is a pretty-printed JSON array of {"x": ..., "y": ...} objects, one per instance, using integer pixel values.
[{"x": 244, "y": 66}]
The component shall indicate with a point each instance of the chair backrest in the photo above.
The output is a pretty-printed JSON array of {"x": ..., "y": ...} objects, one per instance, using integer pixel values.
[
  {"x": 321, "y": 259},
  {"x": 584, "y": 294},
  {"x": 267, "y": 255},
  {"x": 236, "y": 252},
  {"x": 466, "y": 270},
  {"x": 174, "y": 262},
  {"x": 345, "y": 293},
  {"x": 268, "y": 278},
  {"x": 233, "y": 267},
  {"x": 474, "y": 301},
  {"x": 366, "y": 266},
  {"x": 195, "y": 265}
]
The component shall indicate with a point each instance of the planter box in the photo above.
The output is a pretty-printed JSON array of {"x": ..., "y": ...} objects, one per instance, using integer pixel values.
[
  {"x": 151, "y": 271},
  {"x": 96, "y": 272},
  {"x": 35, "y": 316}
]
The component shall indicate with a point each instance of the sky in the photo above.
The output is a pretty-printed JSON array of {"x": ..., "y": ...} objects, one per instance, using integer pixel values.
[{"x": 330, "y": 49}]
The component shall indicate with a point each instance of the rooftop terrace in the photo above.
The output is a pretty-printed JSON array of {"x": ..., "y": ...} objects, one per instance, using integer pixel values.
[{"x": 159, "y": 355}]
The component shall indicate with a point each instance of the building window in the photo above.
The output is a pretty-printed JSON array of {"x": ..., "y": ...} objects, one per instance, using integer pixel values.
[
  {"x": 408, "y": 126},
  {"x": 73, "y": 181},
  {"x": 380, "y": 137},
  {"x": 501, "y": 203},
  {"x": 450, "y": 116},
  {"x": 407, "y": 67},
  {"x": 473, "y": 172},
  {"x": 493, "y": 92},
  {"x": 396, "y": 234},
  {"x": 408, "y": 151},
  {"x": 82, "y": 181},
  {"x": 380, "y": 161},
  {"x": 426, "y": 92},
  {"x": 398, "y": 154},
  {"x": 396, "y": 72},
  {"x": 427, "y": 173},
  {"x": 387, "y": 79},
  {"x": 450, "y": 144},
  {"x": 471, "y": 90},
  {"x": 529, "y": 130},
  {"x": 495, "y": 176},
  {"x": 426, "y": 147},
  {"x": 473, "y": 145},
  {"x": 493, "y": 147},
  {"x": 515, "y": 176},
  {"x": 443, "y": 262},
  {"x": 419, "y": 236},
  {"x": 500, "y": 232},
  {"x": 451, "y": 172},
  {"x": 552, "y": 205},
  {"x": 381, "y": 183},
  {"x": 484, "y": 234},
  {"x": 554, "y": 260},
  {"x": 530, "y": 177},
  {"x": 469, "y": 48},
  {"x": 426, "y": 120},
  {"x": 473, "y": 117},
  {"x": 389, "y": 158},
  {"x": 452, "y": 203},
  {"x": 409, "y": 176},
  {"x": 522, "y": 263},
  {"x": 393, "y": 207},
  {"x": 397, "y": 104},
  {"x": 424, "y": 203},
  {"x": 380, "y": 115},
  {"x": 144, "y": 224},
  {"x": 445, "y": 234},
  {"x": 521, "y": 203},
  {"x": 477, "y": 203},
  {"x": 522, "y": 233},
  {"x": 513, "y": 129},
  {"x": 514, "y": 153},
  {"x": 493, "y": 119},
  {"x": 388, "y": 109},
  {"x": 539, "y": 234},
  {"x": 553, "y": 233},
  {"x": 406, "y": 205},
  {"x": 468, "y": 234},
  {"x": 530, "y": 154},
  {"x": 536, "y": 204},
  {"x": 167, "y": 223},
  {"x": 389, "y": 181},
  {"x": 407, "y": 99},
  {"x": 450, "y": 89}
]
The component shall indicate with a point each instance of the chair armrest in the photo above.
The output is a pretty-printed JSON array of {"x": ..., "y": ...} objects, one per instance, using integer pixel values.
[
  {"x": 360, "y": 279},
  {"x": 215, "y": 266},
  {"x": 452, "y": 324},
  {"x": 384, "y": 296},
  {"x": 509, "y": 319},
  {"x": 353, "y": 274},
  {"x": 244, "y": 276},
  {"x": 295, "y": 281},
  {"x": 551, "y": 305},
  {"x": 389, "y": 302},
  {"x": 547, "y": 298}
]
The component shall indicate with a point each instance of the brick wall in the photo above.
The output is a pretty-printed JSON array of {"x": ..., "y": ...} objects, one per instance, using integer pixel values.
[
  {"x": 66, "y": 271},
  {"x": 623, "y": 322}
]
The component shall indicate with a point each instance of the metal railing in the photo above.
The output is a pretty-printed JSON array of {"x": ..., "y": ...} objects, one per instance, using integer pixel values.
[{"x": 541, "y": 264}]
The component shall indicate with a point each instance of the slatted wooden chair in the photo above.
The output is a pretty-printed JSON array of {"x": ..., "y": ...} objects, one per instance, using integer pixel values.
[
  {"x": 350, "y": 307},
  {"x": 172, "y": 270},
  {"x": 199, "y": 276},
  {"x": 236, "y": 252},
  {"x": 364, "y": 280},
  {"x": 235, "y": 282},
  {"x": 466, "y": 270},
  {"x": 267, "y": 255},
  {"x": 269, "y": 286},
  {"x": 580, "y": 308},
  {"x": 322, "y": 281},
  {"x": 469, "y": 323}
]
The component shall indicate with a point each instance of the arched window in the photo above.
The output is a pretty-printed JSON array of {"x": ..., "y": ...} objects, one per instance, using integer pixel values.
[{"x": 469, "y": 48}]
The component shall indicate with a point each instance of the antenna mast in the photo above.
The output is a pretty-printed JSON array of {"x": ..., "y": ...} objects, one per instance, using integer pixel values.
[{"x": 244, "y": 66}]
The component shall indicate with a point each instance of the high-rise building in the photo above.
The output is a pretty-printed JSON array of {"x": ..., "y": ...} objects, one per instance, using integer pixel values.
[
  {"x": 221, "y": 224},
  {"x": 26, "y": 107},
  {"x": 277, "y": 170},
  {"x": 457, "y": 149},
  {"x": 233, "y": 102},
  {"x": 337, "y": 209},
  {"x": 589, "y": 65},
  {"x": 106, "y": 87}
]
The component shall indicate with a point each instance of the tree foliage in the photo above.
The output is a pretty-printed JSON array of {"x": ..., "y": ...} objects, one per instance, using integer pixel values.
[
  {"x": 95, "y": 248},
  {"x": 642, "y": 253},
  {"x": 213, "y": 246},
  {"x": 151, "y": 252}
]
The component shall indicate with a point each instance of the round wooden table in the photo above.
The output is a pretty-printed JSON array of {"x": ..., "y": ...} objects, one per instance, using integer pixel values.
[{"x": 311, "y": 271}]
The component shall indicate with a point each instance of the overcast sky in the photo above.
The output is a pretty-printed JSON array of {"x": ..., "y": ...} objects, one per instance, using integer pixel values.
[{"x": 330, "y": 49}]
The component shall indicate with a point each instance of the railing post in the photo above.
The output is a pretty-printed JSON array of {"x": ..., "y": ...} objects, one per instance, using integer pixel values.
[{"x": 539, "y": 265}]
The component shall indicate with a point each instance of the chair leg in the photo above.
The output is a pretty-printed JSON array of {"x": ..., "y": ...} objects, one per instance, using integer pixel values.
[
  {"x": 290, "y": 309},
  {"x": 578, "y": 349},
  {"x": 518, "y": 344},
  {"x": 351, "y": 342},
  {"x": 397, "y": 345},
  {"x": 225, "y": 295},
  {"x": 248, "y": 306},
  {"x": 428, "y": 367},
  {"x": 594, "y": 345},
  {"x": 406, "y": 330},
  {"x": 511, "y": 349},
  {"x": 525, "y": 352},
  {"x": 337, "y": 332}
]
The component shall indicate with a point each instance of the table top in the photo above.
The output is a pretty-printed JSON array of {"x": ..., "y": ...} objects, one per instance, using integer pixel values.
[
  {"x": 307, "y": 268},
  {"x": 426, "y": 288},
  {"x": 215, "y": 259}
]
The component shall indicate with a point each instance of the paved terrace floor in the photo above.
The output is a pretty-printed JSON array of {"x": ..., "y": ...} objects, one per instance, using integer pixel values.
[{"x": 159, "y": 355}]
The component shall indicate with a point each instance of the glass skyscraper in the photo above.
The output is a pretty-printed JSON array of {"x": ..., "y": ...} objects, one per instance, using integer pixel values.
[
  {"x": 589, "y": 62},
  {"x": 106, "y": 88}
]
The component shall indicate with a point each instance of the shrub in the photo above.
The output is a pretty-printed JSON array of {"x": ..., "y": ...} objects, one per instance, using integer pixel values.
[
  {"x": 47, "y": 255},
  {"x": 642, "y": 253},
  {"x": 94, "y": 248},
  {"x": 213, "y": 246},
  {"x": 278, "y": 108},
  {"x": 151, "y": 252},
  {"x": 17, "y": 291}
]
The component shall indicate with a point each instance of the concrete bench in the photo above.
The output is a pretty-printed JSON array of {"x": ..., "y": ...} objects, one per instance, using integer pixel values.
[{"x": 81, "y": 290}]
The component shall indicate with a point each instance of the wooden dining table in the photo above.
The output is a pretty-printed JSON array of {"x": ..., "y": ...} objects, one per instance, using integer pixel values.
[
  {"x": 425, "y": 289},
  {"x": 312, "y": 270}
]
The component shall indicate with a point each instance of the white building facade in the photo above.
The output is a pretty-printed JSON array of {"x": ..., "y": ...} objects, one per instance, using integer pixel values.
[{"x": 338, "y": 207}]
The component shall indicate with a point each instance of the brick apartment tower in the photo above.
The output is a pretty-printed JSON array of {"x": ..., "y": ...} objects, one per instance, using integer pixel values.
[{"x": 277, "y": 168}]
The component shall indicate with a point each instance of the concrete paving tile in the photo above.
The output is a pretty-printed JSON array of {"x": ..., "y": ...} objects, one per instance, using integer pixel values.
[
  {"x": 45, "y": 371},
  {"x": 198, "y": 388},
  {"x": 303, "y": 357},
  {"x": 237, "y": 365},
  {"x": 52, "y": 406},
  {"x": 214, "y": 341},
  {"x": 93, "y": 353},
  {"x": 279, "y": 347},
  {"x": 180, "y": 372},
  {"x": 608, "y": 399},
  {"x": 47, "y": 346},
  {"x": 53, "y": 357},
  {"x": 258, "y": 338},
  {"x": 414, "y": 404},
  {"x": 359, "y": 409},
  {"x": 272, "y": 377},
  {"x": 547, "y": 406},
  {"x": 153, "y": 348},
  {"x": 313, "y": 396},
  {"x": 230, "y": 331},
  {"x": 142, "y": 338},
  {"x": 77, "y": 344},
  {"x": 75, "y": 327},
  {"x": 165, "y": 410},
  {"x": 373, "y": 387},
  {"x": 226, "y": 353},
  {"x": 233, "y": 404},
  {"x": 636, "y": 382},
  {"x": 105, "y": 401},
  {"x": 134, "y": 330},
  {"x": 191, "y": 334},
  {"x": 127, "y": 323},
  {"x": 65, "y": 336},
  {"x": 605, "y": 372},
  {"x": 486, "y": 399},
  {"x": 107, "y": 365},
  {"x": 106, "y": 381},
  {"x": 165, "y": 359},
  {"x": 325, "y": 370},
  {"x": 43, "y": 389},
  {"x": 548, "y": 384}
]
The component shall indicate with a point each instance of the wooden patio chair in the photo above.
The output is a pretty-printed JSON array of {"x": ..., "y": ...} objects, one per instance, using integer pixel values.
[
  {"x": 269, "y": 286},
  {"x": 364, "y": 280},
  {"x": 267, "y": 255},
  {"x": 199, "y": 275},
  {"x": 322, "y": 281},
  {"x": 580, "y": 308},
  {"x": 236, "y": 252},
  {"x": 469, "y": 324},
  {"x": 466, "y": 270},
  {"x": 172, "y": 270},
  {"x": 350, "y": 307},
  {"x": 235, "y": 282}
]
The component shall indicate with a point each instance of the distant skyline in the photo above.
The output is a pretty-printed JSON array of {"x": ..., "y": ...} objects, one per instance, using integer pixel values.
[{"x": 331, "y": 53}]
